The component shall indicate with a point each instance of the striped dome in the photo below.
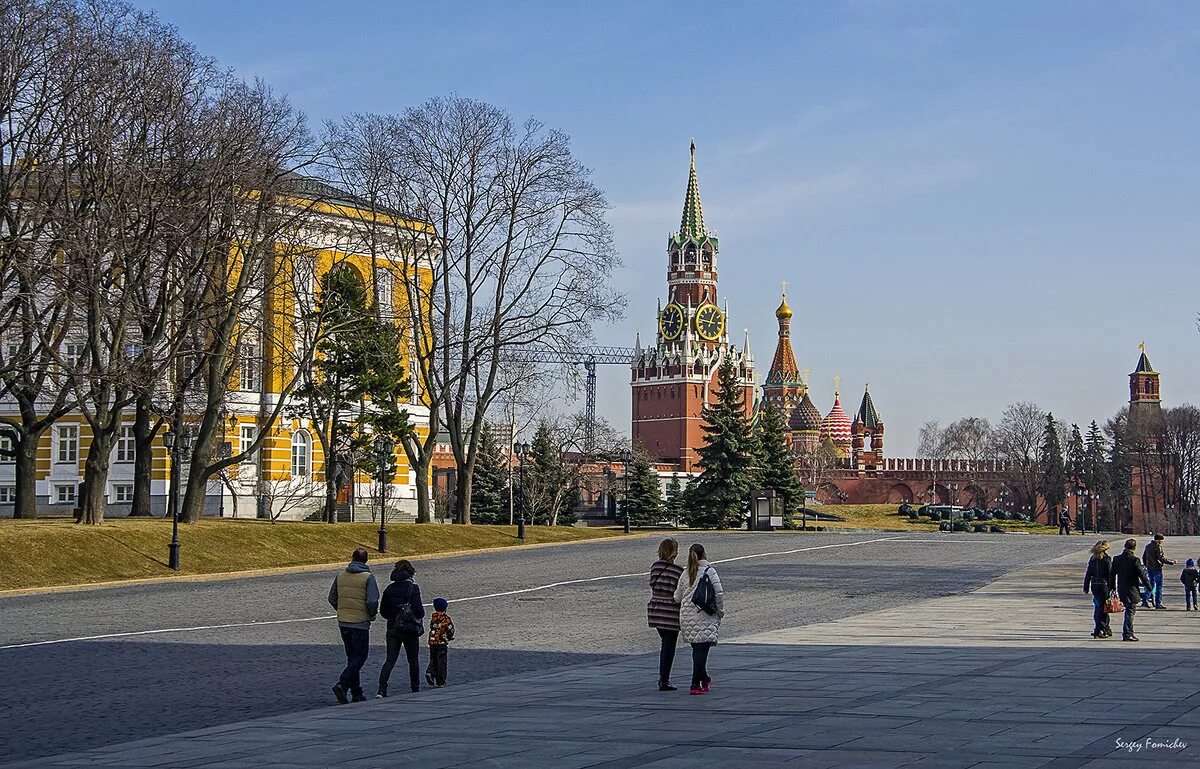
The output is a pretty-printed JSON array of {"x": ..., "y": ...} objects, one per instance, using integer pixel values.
[
  {"x": 805, "y": 417},
  {"x": 836, "y": 426}
]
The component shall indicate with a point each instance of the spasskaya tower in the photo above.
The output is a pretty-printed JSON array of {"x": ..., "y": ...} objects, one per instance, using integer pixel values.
[{"x": 674, "y": 378}]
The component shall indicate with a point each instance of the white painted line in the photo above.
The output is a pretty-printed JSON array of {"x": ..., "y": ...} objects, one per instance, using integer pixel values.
[{"x": 521, "y": 591}]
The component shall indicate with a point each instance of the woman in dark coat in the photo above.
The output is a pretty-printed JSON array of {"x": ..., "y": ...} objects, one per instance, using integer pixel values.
[
  {"x": 402, "y": 608},
  {"x": 663, "y": 611},
  {"x": 1100, "y": 581}
]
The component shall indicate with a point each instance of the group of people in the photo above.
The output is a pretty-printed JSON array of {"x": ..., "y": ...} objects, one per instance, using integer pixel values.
[
  {"x": 689, "y": 601},
  {"x": 1133, "y": 582},
  {"x": 355, "y": 596}
]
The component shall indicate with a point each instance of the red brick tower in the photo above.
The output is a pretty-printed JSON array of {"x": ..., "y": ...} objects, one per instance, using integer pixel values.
[
  {"x": 868, "y": 435},
  {"x": 673, "y": 380},
  {"x": 1145, "y": 413},
  {"x": 1145, "y": 400}
]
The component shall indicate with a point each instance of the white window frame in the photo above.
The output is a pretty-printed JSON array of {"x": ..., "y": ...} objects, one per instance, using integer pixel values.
[
  {"x": 385, "y": 290},
  {"x": 301, "y": 455},
  {"x": 122, "y": 493},
  {"x": 250, "y": 369},
  {"x": 8, "y": 495},
  {"x": 125, "y": 449},
  {"x": 66, "y": 499},
  {"x": 6, "y": 443},
  {"x": 66, "y": 451},
  {"x": 246, "y": 436},
  {"x": 73, "y": 353}
]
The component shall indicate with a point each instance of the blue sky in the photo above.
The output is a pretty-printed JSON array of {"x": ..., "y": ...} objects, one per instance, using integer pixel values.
[{"x": 972, "y": 203}]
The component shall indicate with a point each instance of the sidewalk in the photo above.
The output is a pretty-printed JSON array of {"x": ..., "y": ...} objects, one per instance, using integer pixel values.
[{"x": 1006, "y": 676}]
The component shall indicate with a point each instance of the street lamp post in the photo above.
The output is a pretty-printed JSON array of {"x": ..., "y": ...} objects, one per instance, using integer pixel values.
[
  {"x": 626, "y": 456},
  {"x": 177, "y": 446},
  {"x": 522, "y": 449},
  {"x": 383, "y": 457}
]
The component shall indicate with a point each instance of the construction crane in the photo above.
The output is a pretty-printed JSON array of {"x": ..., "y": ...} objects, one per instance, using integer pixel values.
[{"x": 589, "y": 358}]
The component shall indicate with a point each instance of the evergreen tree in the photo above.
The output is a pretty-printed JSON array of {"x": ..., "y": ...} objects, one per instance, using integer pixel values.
[
  {"x": 489, "y": 487},
  {"x": 719, "y": 496},
  {"x": 643, "y": 503},
  {"x": 544, "y": 476},
  {"x": 673, "y": 503},
  {"x": 1095, "y": 473},
  {"x": 357, "y": 363},
  {"x": 777, "y": 464},
  {"x": 1075, "y": 455},
  {"x": 1120, "y": 481},
  {"x": 1052, "y": 473}
]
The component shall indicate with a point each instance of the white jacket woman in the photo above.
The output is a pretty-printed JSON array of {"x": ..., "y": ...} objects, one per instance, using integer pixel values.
[{"x": 695, "y": 625}]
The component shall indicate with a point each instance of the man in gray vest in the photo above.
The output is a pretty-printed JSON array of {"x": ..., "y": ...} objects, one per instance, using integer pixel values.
[{"x": 356, "y": 597}]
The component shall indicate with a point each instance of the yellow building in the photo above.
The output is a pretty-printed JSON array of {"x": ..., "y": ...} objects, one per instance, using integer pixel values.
[{"x": 285, "y": 476}]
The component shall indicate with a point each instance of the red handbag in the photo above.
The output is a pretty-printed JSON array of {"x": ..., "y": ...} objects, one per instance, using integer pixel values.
[{"x": 1113, "y": 605}]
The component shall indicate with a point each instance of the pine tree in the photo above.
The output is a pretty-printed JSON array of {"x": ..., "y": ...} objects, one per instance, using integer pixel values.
[
  {"x": 643, "y": 502},
  {"x": 1095, "y": 473},
  {"x": 1075, "y": 455},
  {"x": 719, "y": 496},
  {"x": 544, "y": 476},
  {"x": 489, "y": 487},
  {"x": 1120, "y": 481},
  {"x": 777, "y": 464},
  {"x": 673, "y": 503},
  {"x": 1052, "y": 473}
]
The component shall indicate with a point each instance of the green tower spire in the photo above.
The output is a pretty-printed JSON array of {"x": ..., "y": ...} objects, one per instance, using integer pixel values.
[{"x": 691, "y": 226}]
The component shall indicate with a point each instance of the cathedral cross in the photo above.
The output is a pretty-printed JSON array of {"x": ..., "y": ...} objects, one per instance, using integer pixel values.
[
  {"x": 837, "y": 384},
  {"x": 783, "y": 283}
]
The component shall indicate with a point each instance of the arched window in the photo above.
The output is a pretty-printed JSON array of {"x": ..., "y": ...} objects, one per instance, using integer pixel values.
[{"x": 301, "y": 453}]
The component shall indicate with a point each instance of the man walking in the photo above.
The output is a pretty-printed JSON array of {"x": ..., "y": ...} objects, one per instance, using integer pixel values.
[
  {"x": 356, "y": 597},
  {"x": 1154, "y": 559},
  {"x": 1130, "y": 574},
  {"x": 1064, "y": 522}
]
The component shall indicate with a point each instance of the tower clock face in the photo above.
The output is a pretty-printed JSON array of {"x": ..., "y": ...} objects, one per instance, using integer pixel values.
[
  {"x": 710, "y": 322},
  {"x": 670, "y": 322}
]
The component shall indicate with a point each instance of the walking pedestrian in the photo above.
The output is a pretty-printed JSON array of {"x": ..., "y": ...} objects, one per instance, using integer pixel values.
[
  {"x": 1064, "y": 522},
  {"x": 355, "y": 596},
  {"x": 1154, "y": 559},
  {"x": 701, "y": 602},
  {"x": 663, "y": 610},
  {"x": 1190, "y": 577},
  {"x": 1131, "y": 575},
  {"x": 1099, "y": 581},
  {"x": 403, "y": 610},
  {"x": 441, "y": 633}
]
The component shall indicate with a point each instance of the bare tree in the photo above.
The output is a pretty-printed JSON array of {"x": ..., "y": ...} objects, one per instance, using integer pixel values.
[
  {"x": 1019, "y": 445},
  {"x": 517, "y": 253}
]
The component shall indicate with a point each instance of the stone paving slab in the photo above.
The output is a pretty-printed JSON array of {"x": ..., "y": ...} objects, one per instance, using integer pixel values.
[{"x": 1006, "y": 676}]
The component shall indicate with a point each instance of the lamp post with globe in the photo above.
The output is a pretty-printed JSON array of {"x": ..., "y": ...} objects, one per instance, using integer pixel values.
[{"x": 178, "y": 445}]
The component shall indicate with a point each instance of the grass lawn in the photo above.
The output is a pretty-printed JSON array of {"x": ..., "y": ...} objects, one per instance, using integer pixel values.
[
  {"x": 887, "y": 518},
  {"x": 42, "y": 553}
]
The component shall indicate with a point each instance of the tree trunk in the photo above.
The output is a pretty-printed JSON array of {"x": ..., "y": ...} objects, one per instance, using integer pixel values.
[
  {"x": 462, "y": 501},
  {"x": 424, "y": 514},
  {"x": 331, "y": 495},
  {"x": 95, "y": 478},
  {"x": 143, "y": 458},
  {"x": 26, "y": 470}
]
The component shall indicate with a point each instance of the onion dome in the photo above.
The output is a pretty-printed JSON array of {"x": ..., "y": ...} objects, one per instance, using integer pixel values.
[
  {"x": 806, "y": 417},
  {"x": 784, "y": 312},
  {"x": 836, "y": 425}
]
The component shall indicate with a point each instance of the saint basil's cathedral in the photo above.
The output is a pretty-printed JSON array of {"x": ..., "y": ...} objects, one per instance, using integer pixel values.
[{"x": 674, "y": 378}]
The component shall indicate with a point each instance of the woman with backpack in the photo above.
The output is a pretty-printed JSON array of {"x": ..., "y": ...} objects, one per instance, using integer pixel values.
[
  {"x": 663, "y": 610},
  {"x": 701, "y": 602},
  {"x": 402, "y": 608}
]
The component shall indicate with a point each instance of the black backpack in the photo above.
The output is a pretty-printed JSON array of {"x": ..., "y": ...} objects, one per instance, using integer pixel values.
[
  {"x": 407, "y": 622},
  {"x": 705, "y": 595}
]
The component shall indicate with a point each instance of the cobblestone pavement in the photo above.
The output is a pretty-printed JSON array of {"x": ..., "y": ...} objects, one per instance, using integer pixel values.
[{"x": 87, "y": 694}]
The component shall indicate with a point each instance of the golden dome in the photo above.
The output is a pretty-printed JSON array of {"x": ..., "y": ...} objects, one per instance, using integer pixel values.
[{"x": 784, "y": 312}]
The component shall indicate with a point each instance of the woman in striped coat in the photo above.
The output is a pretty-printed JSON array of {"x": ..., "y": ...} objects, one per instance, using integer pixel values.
[{"x": 663, "y": 610}]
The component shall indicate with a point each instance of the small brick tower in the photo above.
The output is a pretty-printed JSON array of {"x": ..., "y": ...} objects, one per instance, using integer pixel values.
[
  {"x": 868, "y": 435},
  {"x": 674, "y": 379}
]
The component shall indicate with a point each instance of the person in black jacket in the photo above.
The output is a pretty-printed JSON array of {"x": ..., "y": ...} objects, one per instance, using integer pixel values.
[
  {"x": 1099, "y": 581},
  {"x": 1130, "y": 575},
  {"x": 402, "y": 608}
]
